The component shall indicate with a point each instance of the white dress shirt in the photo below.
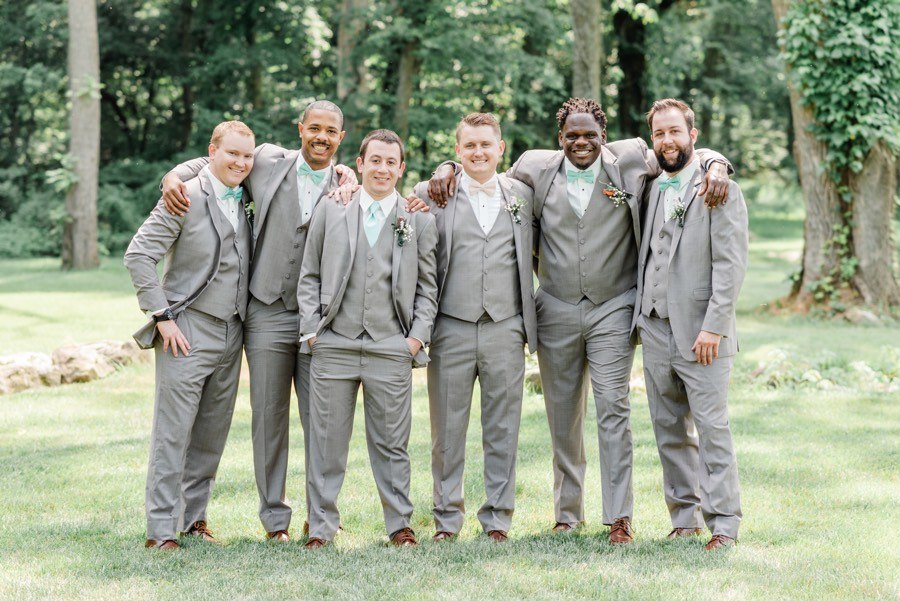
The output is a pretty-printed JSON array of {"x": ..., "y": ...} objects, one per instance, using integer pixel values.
[
  {"x": 308, "y": 191},
  {"x": 579, "y": 192},
  {"x": 485, "y": 208},
  {"x": 387, "y": 205},
  {"x": 230, "y": 208},
  {"x": 671, "y": 195}
]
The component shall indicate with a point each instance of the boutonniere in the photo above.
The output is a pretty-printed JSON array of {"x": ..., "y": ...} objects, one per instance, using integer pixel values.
[
  {"x": 677, "y": 212},
  {"x": 250, "y": 211},
  {"x": 616, "y": 195},
  {"x": 513, "y": 207},
  {"x": 403, "y": 230}
]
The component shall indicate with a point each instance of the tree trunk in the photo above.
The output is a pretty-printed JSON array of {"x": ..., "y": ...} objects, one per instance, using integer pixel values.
[
  {"x": 79, "y": 248},
  {"x": 869, "y": 224},
  {"x": 352, "y": 74},
  {"x": 587, "y": 49},
  {"x": 406, "y": 76},
  {"x": 873, "y": 211}
]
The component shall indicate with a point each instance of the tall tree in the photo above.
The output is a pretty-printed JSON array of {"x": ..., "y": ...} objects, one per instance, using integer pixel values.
[
  {"x": 79, "y": 249},
  {"x": 844, "y": 60},
  {"x": 587, "y": 48}
]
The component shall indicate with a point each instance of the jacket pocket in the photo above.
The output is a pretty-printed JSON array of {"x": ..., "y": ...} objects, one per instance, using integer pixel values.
[{"x": 702, "y": 294}]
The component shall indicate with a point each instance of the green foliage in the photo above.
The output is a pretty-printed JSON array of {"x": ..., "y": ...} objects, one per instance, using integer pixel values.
[{"x": 844, "y": 56}]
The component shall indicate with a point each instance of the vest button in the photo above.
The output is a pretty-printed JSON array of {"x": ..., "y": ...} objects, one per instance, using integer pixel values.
[
  {"x": 299, "y": 229},
  {"x": 287, "y": 276},
  {"x": 296, "y": 246},
  {"x": 369, "y": 274},
  {"x": 656, "y": 268},
  {"x": 660, "y": 235},
  {"x": 292, "y": 261},
  {"x": 282, "y": 292},
  {"x": 583, "y": 258},
  {"x": 368, "y": 291},
  {"x": 583, "y": 274}
]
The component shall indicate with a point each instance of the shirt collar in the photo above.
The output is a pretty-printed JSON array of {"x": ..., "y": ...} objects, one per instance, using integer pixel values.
[
  {"x": 594, "y": 168},
  {"x": 387, "y": 203},
  {"x": 219, "y": 188},
  {"x": 465, "y": 181},
  {"x": 684, "y": 176}
]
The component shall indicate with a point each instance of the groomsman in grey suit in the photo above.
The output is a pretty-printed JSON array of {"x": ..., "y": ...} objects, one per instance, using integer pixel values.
[
  {"x": 587, "y": 207},
  {"x": 691, "y": 269},
  {"x": 196, "y": 330},
  {"x": 485, "y": 316},
  {"x": 285, "y": 189},
  {"x": 367, "y": 298}
]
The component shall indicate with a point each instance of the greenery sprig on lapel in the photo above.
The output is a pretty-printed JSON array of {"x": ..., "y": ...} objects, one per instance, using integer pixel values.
[{"x": 513, "y": 207}]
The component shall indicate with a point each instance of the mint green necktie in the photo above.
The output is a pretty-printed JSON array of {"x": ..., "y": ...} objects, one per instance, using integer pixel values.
[
  {"x": 574, "y": 176},
  {"x": 233, "y": 194},
  {"x": 306, "y": 171},
  {"x": 673, "y": 183},
  {"x": 371, "y": 224}
]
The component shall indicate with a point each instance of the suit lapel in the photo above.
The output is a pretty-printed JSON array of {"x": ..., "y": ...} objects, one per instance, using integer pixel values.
[
  {"x": 655, "y": 199},
  {"x": 549, "y": 174},
  {"x": 330, "y": 185},
  {"x": 448, "y": 222},
  {"x": 611, "y": 166},
  {"x": 352, "y": 216},
  {"x": 508, "y": 197},
  {"x": 215, "y": 213},
  {"x": 280, "y": 169},
  {"x": 397, "y": 256},
  {"x": 690, "y": 194}
]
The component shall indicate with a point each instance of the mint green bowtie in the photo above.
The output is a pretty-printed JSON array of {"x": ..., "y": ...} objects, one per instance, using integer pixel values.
[
  {"x": 234, "y": 194},
  {"x": 574, "y": 176},
  {"x": 306, "y": 171},
  {"x": 673, "y": 183}
]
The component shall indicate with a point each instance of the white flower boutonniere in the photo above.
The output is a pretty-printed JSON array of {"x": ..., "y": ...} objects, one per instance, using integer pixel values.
[
  {"x": 677, "y": 212},
  {"x": 403, "y": 230},
  {"x": 514, "y": 207},
  {"x": 616, "y": 195}
]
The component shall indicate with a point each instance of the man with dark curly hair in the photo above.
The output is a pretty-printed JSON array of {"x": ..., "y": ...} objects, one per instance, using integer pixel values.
[{"x": 588, "y": 205}]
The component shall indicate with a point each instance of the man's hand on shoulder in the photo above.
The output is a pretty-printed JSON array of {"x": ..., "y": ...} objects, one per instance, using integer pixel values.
[
  {"x": 346, "y": 175},
  {"x": 175, "y": 196},
  {"x": 414, "y": 203},
  {"x": 442, "y": 185},
  {"x": 715, "y": 185},
  {"x": 344, "y": 192}
]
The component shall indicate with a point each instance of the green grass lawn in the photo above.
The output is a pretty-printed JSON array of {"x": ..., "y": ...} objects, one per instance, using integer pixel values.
[{"x": 819, "y": 475}]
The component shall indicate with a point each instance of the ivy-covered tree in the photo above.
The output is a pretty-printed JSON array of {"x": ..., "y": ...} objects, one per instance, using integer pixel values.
[{"x": 843, "y": 58}]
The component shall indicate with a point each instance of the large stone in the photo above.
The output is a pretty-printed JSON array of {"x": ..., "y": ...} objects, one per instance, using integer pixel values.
[
  {"x": 81, "y": 363},
  {"x": 27, "y": 370}
]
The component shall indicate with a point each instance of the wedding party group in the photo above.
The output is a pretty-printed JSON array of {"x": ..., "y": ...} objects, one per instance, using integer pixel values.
[{"x": 328, "y": 286}]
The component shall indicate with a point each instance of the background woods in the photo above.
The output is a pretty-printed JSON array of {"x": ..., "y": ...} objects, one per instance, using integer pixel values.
[{"x": 170, "y": 70}]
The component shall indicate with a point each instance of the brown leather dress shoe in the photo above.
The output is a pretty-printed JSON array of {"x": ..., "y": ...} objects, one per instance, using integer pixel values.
[
  {"x": 200, "y": 530},
  {"x": 165, "y": 545},
  {"x": 684, "y": 533},
  {"x": 498, "y": 536},
  {"x": 404, "y": 537},
  {"x": 562, "y": 527},
  {"x": 719, "y": 541},
  {"x": 442, "y": 535},
  {"x": 620, "y": 532},
  {"x": 315, "y": 543},
  {"x": 280, "y": 536}
]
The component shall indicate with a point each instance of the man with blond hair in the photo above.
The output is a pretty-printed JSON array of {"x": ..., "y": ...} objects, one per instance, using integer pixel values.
[
  {"x": 485, "y": 318},
  {"x": 196, "y": 329}
]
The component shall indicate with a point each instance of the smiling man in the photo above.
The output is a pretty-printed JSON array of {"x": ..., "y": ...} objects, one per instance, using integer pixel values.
[
  {"x": 587, "y": 208},
  {"x": 196, "y": 330},
  {"x": 691, "y": 269},
  {"x": 485, "y": 315},
  {"x": 285, "y": 190},
  {"x": 367, "y": 298}
]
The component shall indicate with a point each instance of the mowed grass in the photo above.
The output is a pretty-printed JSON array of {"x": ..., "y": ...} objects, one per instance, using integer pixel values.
[{"x": 820, "y": 484}]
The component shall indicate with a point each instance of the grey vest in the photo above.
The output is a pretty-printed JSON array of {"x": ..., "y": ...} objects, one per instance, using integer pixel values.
[
  {"x": 482, "y": 275},
  {"x": 279, "y": 248},
  {"x": 367, "y": 304},
  {"x": 594, "y": 256},
  {"x": 656, "y": 273},
  {"x": 226, "y": 294}
]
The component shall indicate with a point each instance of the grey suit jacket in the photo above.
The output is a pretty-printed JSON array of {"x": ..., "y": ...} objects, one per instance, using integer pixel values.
[
  {"x": 191, "y": 246},
  {"x": 271, "y": 164},
  {"x": 330, "y": 250},
  {"x": 707, "y": 263},
  {"x": 522, "y": 232}
]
